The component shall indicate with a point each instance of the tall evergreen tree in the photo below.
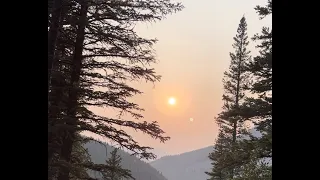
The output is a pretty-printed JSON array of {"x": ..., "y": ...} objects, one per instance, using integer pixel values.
[
  {"x": 59, "y": 78},
  {"x": 259, "y": 109},
  {"x": 72, "y": 105},
  {"x": 98, "y": 53},
  {"x": 115, "y": 171},
  {"x": 229, "y": 120}
]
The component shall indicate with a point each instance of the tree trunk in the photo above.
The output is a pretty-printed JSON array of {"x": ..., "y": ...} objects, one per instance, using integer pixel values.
[
  {"x": 53, "y": 34},
  {"x": 235, "y": 124},
  {"x": 73, "y": 93},
  {"x": 52, "y": 39},
  {"x": 58, "y": 85},
  {"x": 56, "y": 81}
]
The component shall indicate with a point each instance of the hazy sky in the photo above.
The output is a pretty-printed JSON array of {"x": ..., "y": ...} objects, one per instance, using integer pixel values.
[{"x": 193, "y": 52}]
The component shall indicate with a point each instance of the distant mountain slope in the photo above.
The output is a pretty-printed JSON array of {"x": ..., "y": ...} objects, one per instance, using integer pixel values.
[
  {"x": 139, "y": 169},
  {"x": 186, "y": 166},
  {"x": 190, "y": 165}
]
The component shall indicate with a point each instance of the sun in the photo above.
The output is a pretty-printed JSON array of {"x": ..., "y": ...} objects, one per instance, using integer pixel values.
[{"x": 172, "y": 101}]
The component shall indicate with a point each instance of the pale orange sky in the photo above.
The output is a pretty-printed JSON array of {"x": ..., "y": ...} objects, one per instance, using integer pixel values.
[{"x": 193, "y": 52}]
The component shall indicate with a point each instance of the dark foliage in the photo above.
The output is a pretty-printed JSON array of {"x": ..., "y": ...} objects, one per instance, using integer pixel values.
[
  {"x": 95, "y": 54},
  {"x": 231, "y": 123}
]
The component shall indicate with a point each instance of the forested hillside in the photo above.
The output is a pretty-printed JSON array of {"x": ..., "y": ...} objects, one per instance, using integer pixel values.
[{"x": 139, "y": 169}]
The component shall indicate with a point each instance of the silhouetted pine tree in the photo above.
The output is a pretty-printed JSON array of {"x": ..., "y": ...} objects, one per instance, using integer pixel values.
[
  {"x": 229, "y": 120},
  {"x": 261, "y": 68},
  {"x": 259, "y": 109},
  {"x": 60, "y": 78},
  {"x": 99, "y": 52},
  {"x": 115, "y": 172}
]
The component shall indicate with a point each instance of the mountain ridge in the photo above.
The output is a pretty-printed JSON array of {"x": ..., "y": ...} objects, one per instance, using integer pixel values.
[
  {"x": 187, "y": 166},
  {"x": 140, "y": 170},
  {"x": 190, "y": 165}
]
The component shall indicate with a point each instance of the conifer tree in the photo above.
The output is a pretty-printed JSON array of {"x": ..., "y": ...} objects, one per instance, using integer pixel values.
[
  {"x": 229, "y": 120},
  {"x": 219, "y": 155},
  {"x": 259, "y": 110},
  {"x": 98, "y": 53},
  {"x": 59, "y": 78},
  {"x": 256, "y": 170},
  {"x": 115, "y": 172}
]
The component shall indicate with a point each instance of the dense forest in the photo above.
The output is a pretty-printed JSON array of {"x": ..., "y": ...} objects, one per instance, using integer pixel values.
[
  {"x": 248, "y": 98},
  {"x": 93, "y": 51}
]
